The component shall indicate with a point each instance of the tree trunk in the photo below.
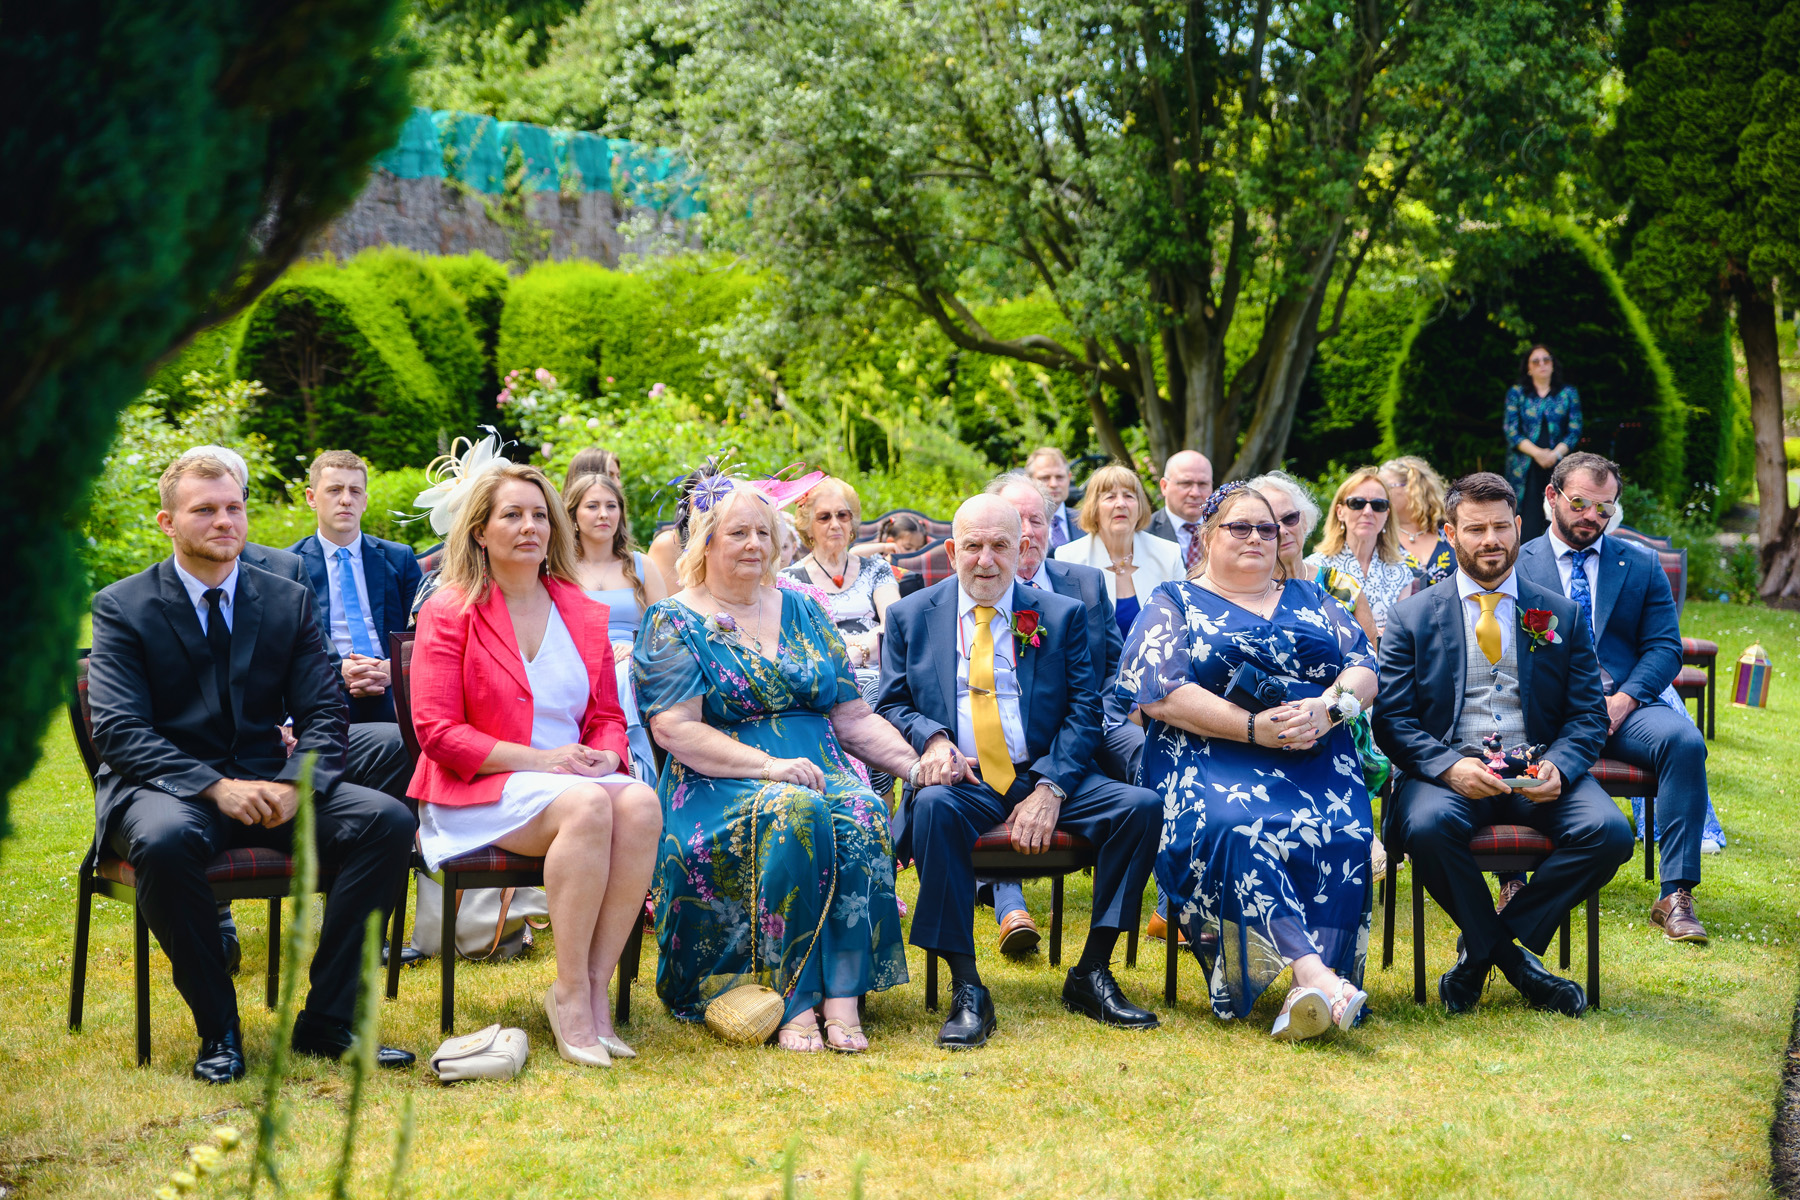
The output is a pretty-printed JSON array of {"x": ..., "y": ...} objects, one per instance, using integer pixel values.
[{"x": 1775, "y": 518}]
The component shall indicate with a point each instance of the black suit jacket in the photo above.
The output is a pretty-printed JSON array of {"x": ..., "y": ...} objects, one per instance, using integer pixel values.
[
  {"x": 1105, "y": 643},
  {"x": 1058, "y": 685},
  {"x": 155, "y": 700},
  {"x": 1163, "y": 526},
  {"x": 1423, "y": 667}
]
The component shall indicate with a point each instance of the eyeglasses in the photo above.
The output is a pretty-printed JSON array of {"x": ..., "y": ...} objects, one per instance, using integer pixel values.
[
  {"x": 1604, "y": 509},
  {"x": 1358, "y": 503},
  {"x": 1292, "y": 520},
  {"x": 1267, "y": 531},
  {"x": 824, "y": 518}
]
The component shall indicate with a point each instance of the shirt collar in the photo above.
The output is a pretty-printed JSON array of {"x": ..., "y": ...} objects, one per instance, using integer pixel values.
[
  {"x": 1041, "y": 579},
  {"x": 1467, "y": 587},
  {"x": 330, "y": 548},
  {"x": 965, "y": 603},
  {"x": 196, "y": 590},
  {"x": 1563, "y": 548}
]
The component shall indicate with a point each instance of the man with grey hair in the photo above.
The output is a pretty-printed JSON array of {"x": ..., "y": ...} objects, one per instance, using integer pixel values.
[
  {"x": 1187, "y": 480},
  {"x": 994, "y": 684},
  {"x": 1051, "y": 470}
]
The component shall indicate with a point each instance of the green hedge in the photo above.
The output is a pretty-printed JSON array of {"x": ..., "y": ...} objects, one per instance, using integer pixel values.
[
  {"x": 1337, "y": 422},
  {"x": 343, "y": 371},
  {"x": 480, "y": 283},
  {"x": 215, "y": 350},
  {"x": 1546, "y": 281},
  {"x": 434, "y": 315},
  {"x": 584, "y": 323}
]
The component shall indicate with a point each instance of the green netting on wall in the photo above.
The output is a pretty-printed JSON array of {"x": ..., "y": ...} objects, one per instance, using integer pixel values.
[
  {"x": 583, "y": 159},
  {"x": 417, "y": 154},
  {"x": 471, "y": 150},
  {"x": 537, "y": 149}
]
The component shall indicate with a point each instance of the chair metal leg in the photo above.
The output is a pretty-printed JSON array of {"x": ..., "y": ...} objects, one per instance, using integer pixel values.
[
  {"x": 1418, "y": 894},
  {"x": 1056, "y": 906},
  {"x": 1649, "y": 838},
  {"x": 447, "y": 953},
  {"x": 397, "y": 937},
  {"x": 1171, "y": 952},
  {"x": 627, "y": 972},
  {"x": 1131, "y": 947},
  {"x": 142, "y": 962},
  {"x": 272, "y": 994},
  {"x": 930, "y": 982},
  {"x": 1593, "y": 950},
  {"x": 1390, "y": 897},
  {"x": 1563, "y": 938},
  {"x": 1712, "y": 700},
  {"x": 84, "y": 908}
]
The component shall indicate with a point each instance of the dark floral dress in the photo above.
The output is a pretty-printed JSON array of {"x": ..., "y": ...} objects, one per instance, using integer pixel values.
[
  {"x": 766, "y": 882},
  {"x": 1545, "y": 421},
  {"x": 1265, "y": 849}
]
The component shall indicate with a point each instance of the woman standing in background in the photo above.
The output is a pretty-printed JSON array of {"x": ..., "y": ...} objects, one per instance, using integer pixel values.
[{"x": 1543, "y": 423}]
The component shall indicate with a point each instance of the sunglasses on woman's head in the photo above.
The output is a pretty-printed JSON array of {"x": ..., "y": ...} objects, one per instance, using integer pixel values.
[
  {"x": 1358, "y": 503},
  {"x": 1268, "y": 531}
]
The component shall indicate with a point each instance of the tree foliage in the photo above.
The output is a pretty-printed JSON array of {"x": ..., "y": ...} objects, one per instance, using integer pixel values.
[
  {"x": 1197, "y": 186},
  {"x": 166, "y": 159}
]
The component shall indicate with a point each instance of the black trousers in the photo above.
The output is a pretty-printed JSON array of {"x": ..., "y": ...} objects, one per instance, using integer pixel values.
[
  {"x": 1593, "y": 840},
  {"x": 1124, "y": 823},
  {"x": 363, "y": 836}
]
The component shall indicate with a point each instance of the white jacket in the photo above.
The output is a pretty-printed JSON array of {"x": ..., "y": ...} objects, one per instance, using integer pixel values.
[{"x": 1157, "y": 560}]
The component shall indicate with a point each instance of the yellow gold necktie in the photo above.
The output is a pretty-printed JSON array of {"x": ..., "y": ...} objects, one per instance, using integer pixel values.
[
  {"x": 1487, "y": 625},
  {"x": 984, "y": 706}
]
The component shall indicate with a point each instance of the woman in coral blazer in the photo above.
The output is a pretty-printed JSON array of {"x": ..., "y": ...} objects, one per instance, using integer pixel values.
[{"x": 516, "y": 708}]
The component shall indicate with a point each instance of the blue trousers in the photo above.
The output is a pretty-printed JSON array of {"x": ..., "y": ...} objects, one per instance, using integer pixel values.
[
  {"x": 1124, "y": 823},
  {"x": 1664, "y": 740}
]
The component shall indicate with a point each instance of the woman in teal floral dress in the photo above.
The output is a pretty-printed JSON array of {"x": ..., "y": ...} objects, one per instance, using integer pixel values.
[
  {"x": 1542, "y": 424},
  {"x": 775, "y": 867}
]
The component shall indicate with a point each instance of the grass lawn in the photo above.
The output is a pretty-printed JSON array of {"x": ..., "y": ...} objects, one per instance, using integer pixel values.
[{"x": 1666, "y": 1091}]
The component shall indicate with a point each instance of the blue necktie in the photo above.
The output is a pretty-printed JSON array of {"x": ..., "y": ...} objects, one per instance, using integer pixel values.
[
  {"x": 1059, "y": 531},
  {"x": 1579, "y": 592},
  {"x": 353, "y": 613}
]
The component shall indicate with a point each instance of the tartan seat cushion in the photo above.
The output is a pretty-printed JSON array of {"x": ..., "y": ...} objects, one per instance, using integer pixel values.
[
  {"x": 233, "y": 866},
  {"x": 1697, "y": 651},
  {"x": 933, "y": 563},
  {"x": 493, "y": 858},
  {"x": 1691, "y": 677},
  {"x": 1000, "y": 838},
  {"x": 1509, "y": 840},
  {"x": 1623, "y": 779}
]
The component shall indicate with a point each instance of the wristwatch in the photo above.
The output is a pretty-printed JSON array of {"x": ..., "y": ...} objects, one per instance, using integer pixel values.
[{"x": 1054, "y": 790}]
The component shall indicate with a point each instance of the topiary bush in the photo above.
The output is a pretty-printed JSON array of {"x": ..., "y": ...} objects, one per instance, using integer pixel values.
[
  {"x": 480, "y": 283},
  {"x": 343, "y": 371},
  {"x": 213, "y": 351},
  {"x": 1546, "y": 281},
  {"x": 1337, "y": 422},
  {"x": 436, "y": 318}
]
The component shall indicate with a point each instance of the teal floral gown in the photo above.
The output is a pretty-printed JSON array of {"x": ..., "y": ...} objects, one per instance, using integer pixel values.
[{"x": 760, "y": 882}]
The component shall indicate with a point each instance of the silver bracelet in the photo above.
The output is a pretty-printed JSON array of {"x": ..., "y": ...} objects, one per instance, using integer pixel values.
[{"x": 912, "y": 776}]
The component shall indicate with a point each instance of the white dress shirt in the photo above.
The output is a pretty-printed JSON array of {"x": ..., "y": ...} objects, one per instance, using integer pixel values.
[
  {"x": 1006, "y": 679},
  {"x": 340, "y": 622},
  {"x": 1506, "y": 612},
  {"x": 197, "y": 590},
  {"x": 1040, "y": 579}
]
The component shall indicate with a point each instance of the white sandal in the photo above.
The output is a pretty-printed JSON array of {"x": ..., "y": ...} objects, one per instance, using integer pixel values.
[
  {"x": 1352, "y": 1004},
  {"x": 1306, "y": 1013}
]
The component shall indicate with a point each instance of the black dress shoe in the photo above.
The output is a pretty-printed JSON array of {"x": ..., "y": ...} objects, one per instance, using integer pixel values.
[
  {"x": 1543, "y": 988},
  {"x": 325, "y": 1038},
  {"x": 971, "y": 1021},
  {"x": 1095, "y": 994},
  {"x": 1460, "y": 987},
  {"x": 221, "y": 1059},
  {"x": 410, "y": 956}
]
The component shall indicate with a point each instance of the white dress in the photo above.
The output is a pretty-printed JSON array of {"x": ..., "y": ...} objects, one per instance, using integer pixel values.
[{"x": 559, "y": 693}]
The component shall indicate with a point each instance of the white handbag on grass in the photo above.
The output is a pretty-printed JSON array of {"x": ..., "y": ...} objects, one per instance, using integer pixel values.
[
  {"x": 491, "y": 923},
  {"x": 491, "y": 1053}
]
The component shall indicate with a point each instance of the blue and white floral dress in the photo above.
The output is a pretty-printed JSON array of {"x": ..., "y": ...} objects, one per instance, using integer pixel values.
[{"x": 1264, "y": 852}]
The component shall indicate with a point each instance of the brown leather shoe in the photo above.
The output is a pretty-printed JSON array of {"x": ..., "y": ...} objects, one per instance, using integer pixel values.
[
  {"x": 1159, "y": 929},
  {"x": 1018, "y": 934},
  {"x": 1508, "y": 890},
  {"x": 1674, "y": 915}
]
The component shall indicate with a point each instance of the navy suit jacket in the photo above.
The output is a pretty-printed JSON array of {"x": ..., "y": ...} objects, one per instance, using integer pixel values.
[
  {"x": 1423, "y": 667},
  {"x": 1059, "y": 688},
  {"x": 1105, "y": 644},
  {"x": 390, "y": 571},
  {"x": 1637, "y": 631}
]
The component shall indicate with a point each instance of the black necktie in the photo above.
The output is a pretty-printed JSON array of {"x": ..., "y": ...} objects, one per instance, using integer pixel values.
[{"x": 218, "y": 640}]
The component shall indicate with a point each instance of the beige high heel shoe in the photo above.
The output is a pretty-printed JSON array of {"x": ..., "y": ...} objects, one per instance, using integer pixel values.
[
  {"x": 581, "y": 1056},
  {"x": 617, "y": 1049}
]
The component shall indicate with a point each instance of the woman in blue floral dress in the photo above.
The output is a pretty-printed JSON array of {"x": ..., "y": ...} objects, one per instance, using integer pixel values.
[
  {"x": 775, "y": 867},
  {"x": 1542, "y": 424},
  {"x": 1265, "y": 846}
]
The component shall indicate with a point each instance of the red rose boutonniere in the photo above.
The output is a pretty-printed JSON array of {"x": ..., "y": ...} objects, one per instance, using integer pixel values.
[
  {"x": 1539, "y": 625},
  {"x": 1025, "y": 628}
]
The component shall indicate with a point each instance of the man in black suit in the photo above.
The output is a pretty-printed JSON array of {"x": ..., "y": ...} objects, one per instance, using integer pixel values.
[
  {"x": 1468, "y": 659},
  {"x": 1121, "y": 746},
  {"x": 364, "y": 584},
  {"x": 197, "y": 663},
  {"x": 995, "y": 686}
]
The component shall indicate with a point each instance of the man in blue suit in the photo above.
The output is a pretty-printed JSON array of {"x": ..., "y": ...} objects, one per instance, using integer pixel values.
[
  {"x": 995, "y": 686},
  {"x": 364, "y": 584},
  {"x": 1121, "y": 746},
  {"x": 1469, "y": 659},
  {"x": 1625, "y": 601}
]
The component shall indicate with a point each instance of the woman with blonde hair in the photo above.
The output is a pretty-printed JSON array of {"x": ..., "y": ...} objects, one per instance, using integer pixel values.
[
  {"x": 1416, "y": 494},
  {"x": 776, "y": 866},
  {"x": 1115, "y": 513},
  {"x": 540, "y": 778},
  {"x": 1358, "y": 553},
  {"x": 611, "y": 570}
]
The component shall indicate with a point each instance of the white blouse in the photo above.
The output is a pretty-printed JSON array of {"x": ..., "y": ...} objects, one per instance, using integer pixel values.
[{"x": 1158, "y": 561}]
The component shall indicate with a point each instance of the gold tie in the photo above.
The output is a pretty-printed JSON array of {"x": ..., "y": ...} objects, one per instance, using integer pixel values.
[
  {"x": 984, "y": 706},
  {"x": 1487, "y": 625}
]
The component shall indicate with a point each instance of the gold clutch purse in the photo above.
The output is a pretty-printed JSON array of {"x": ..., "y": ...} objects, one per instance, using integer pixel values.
[{"x": 747, "y": 1015}]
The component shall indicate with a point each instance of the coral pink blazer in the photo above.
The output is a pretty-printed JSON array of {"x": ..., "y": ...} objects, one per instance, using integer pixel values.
[{"x": 470, "y": 690}]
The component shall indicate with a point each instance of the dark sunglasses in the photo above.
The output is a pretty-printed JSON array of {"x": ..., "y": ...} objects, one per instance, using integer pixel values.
[
  {"x": 1268, "y": 531},
  {"x": 1358, "y": 503},
  {"x": 1604, "y": 509},
  {"x": 1292, "y": 520},
  {"x": 843, "y": 514}
]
